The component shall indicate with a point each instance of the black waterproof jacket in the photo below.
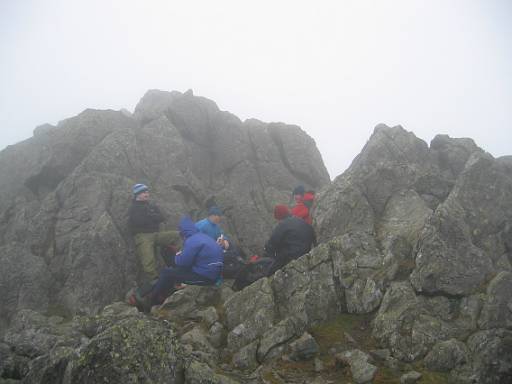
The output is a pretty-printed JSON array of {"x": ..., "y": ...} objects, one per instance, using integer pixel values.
[
  {"x": 290, "y": 239},
  {"x": 144, "y": 217}
]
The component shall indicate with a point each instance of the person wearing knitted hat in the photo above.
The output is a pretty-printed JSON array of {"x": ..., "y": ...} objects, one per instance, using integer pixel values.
[
  {"x": 291, "y": 238},
  {"x": 300, "y": 209},
  {"x": 210, "y": 226},
  {"x": 144, "y": 219}
]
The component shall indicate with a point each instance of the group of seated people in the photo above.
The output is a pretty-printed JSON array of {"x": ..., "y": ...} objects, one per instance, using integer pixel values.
[{"x": 202, "y": 245}]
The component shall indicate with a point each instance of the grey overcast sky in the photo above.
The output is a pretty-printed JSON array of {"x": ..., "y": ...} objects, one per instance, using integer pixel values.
[{"x": 335, "y": 68}]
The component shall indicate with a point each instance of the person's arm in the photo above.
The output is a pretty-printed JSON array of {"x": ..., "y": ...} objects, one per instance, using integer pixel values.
[
  {"x": 155, "y": 214},
  {"x": 188, "y": 254},
  {"x": 222, "y": 241},
  {"x": 219, "y": 235},
  {"x": 301, "y": 211}
]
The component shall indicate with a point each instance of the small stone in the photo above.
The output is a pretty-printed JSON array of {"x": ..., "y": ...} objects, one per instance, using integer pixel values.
[
  {"x": 410, "y": 377},
  {"x": 304, "y": 347},
  {"x": 319, "y": 365},
  {"x": 381, "y": 354}
]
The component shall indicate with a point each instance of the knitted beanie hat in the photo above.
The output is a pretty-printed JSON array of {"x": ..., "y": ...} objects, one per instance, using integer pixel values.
[
  {"x": 299, "y": 190},
  {"x": 139, "y": 188},
  {"x": 214, "y": 210},
  {"x": 281, "y": 212}
]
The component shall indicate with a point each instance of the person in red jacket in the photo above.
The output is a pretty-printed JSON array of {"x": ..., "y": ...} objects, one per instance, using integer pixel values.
[
  {"x": 300, "y": 209},
  {"x": 309, "y": 199}
]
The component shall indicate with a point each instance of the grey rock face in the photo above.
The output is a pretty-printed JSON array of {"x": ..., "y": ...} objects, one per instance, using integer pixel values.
[
  {"x": 452, "y": 154},
  {"x": 497, "y": 310},
  {"x": 356, "y": 262},
  {"x": 119, "y": 345},
  {"x": 447, "y": 355},
  {"x": 417, "y": 237},
  {"x": 249, "y": 314},
  {"x": 245, "y": 358},
  {"x": 457, "y": 250},
  {"x": 25, "y": 282},
  {"x": 492, "y": 356},
  {"x": 391, "y": 162},
  {"x": 33, "y": 334},
  {"x": 66, "y": 192},
  {"x": 304, "y": 348},
  {"x": 142, "y": 346},
  {"x": 200, "y": 373},
  {"x": 395, "y": 318}
]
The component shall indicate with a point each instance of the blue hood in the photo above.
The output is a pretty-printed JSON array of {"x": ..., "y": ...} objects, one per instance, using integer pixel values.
[{"x": 187, "y": 227}]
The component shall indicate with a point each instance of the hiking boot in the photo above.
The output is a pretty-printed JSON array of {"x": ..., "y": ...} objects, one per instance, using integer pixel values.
[
  {"x": 143, "y": 303},
  {"x": 132, "y": 300}
]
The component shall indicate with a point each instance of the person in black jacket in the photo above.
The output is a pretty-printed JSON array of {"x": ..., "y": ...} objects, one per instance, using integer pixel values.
[
  {"x": 144, "y": 220},
  {"x": 290, "y": 239}
]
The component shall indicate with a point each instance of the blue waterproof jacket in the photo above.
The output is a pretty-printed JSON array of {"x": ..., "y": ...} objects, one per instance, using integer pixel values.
[{"x": 200, "y": 252}]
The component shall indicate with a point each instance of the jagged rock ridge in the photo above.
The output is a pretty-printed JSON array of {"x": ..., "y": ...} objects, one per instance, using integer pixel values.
[{"x": 417, "y": 237}]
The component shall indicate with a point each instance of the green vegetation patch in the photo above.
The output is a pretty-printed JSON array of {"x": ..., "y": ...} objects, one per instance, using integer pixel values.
[{"x": 339, "y": 331}]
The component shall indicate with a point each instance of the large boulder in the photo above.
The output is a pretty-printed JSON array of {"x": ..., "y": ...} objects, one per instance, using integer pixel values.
[
  {"x": 119, "y": 345},
  {"x": 464, "y": 240}
]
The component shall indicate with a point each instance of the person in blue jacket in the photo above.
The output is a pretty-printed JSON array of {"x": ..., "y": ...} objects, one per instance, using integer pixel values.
[
  {"x": 210, "y": 226},
  {"x": 199, "y": 263}
]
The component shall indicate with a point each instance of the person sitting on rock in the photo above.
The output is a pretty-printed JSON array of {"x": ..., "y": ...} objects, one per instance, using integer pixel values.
[
  {"x": 210, "y": 226},
  {"x": 199, "y": 263},
  {"x": 233, "y": 258},
  {"x": 144, "y": 219},
  {"x": 290, "y": 239},
  {"x": 300, "y": 209}
]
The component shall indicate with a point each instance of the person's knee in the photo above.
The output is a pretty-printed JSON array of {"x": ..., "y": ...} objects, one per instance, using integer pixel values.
[{"x": 167, "y": 273}]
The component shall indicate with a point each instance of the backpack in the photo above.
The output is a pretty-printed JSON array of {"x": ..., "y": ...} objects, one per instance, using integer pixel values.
[
  {"x": 233, "y": 263},
  {"x": 256, "y": 268}
]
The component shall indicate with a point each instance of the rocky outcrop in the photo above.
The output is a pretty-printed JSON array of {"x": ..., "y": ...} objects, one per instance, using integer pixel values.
[
  {"x": 120, "y": 345},
  {"x": 416, "y": 241},
  {"x": 440, "y": 217},
  {"x": 66, "y": 192}
]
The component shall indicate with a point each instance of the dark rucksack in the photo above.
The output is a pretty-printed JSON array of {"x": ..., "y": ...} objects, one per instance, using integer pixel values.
[
  {"x": 253, "y": 270},
  {"x": 233, "y": 263}
]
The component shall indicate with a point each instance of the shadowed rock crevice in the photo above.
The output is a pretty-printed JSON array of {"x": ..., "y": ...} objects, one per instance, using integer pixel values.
[{"x": 254, "y": 159}]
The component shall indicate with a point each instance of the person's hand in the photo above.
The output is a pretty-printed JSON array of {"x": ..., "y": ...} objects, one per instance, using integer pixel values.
[{"x": 223, "y": 242}]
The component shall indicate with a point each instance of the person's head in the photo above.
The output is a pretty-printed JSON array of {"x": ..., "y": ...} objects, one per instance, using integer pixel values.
[
  {"x": 281, "y": 212},
  {"x": 187, "y": 227},
  {"x": 215, "y": 214},
  {"x": 298, "y": 193},
  {"x": 140, "y": 192},
  {"x": 299, "y": 190}
]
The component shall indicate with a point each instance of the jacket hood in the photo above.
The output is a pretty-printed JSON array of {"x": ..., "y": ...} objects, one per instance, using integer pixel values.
[{"x": 187, "y": 227}]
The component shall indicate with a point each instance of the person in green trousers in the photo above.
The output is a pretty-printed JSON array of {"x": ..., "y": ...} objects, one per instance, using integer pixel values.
[{"x": 144, "y": 219}]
